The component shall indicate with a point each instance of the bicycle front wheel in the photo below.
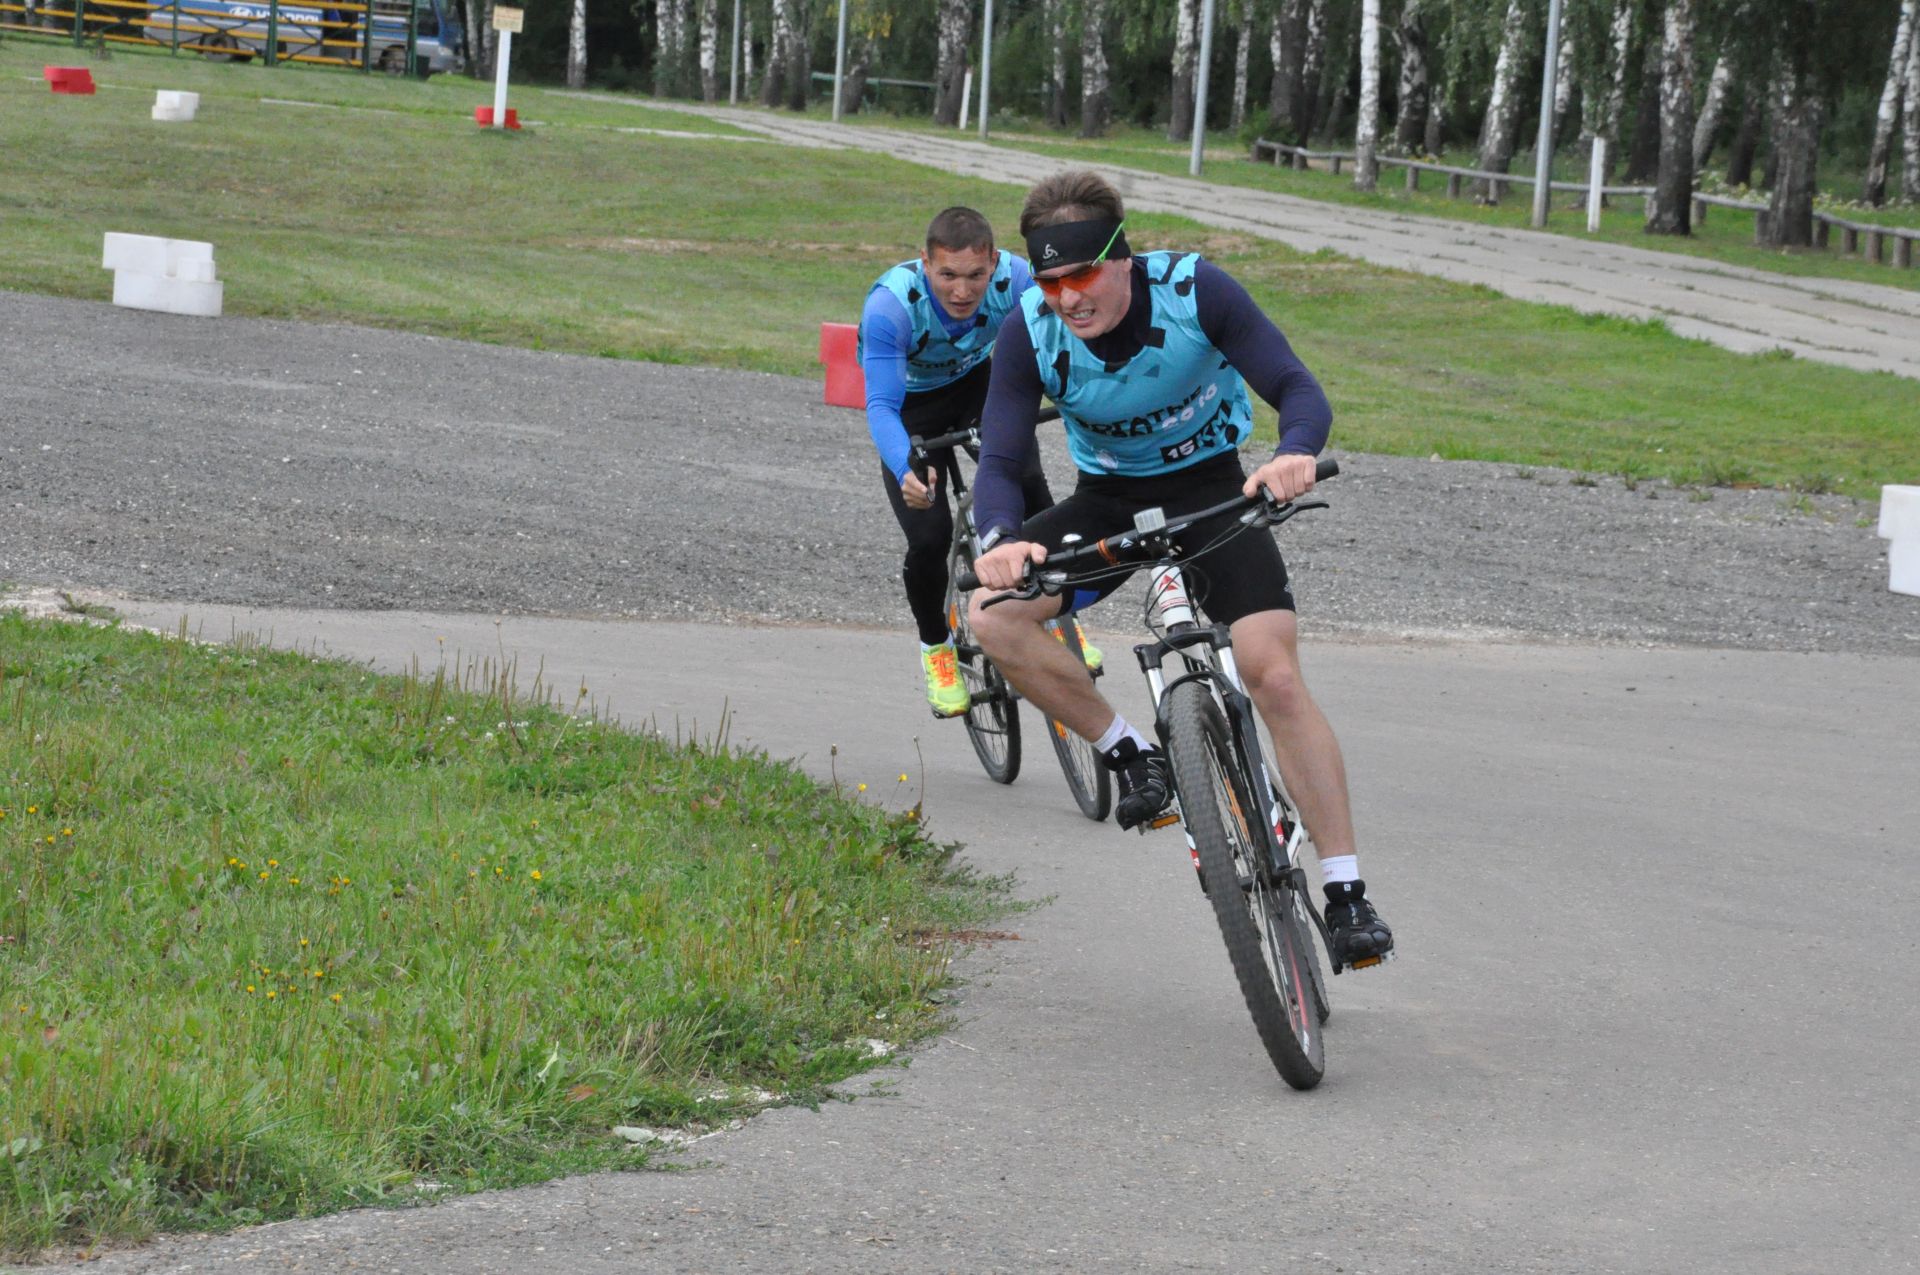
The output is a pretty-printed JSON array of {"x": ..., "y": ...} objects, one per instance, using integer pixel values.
[
  {"x": 993, "y": 719},
  {"x": 1271, "y": 955},
  {"x": 1088, "y": 778}
]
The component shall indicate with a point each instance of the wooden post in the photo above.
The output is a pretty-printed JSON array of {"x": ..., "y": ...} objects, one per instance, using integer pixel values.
[
  {"x": 1453, "y": 185},
  {"x": 1822, "y": 231},
  {"x": 1849, "y": 239},
  {"x": 1300, "y": 160},
  {"x": 1699, "y": 212},
  {"x": 1903, "y": 252},
  {"x": 1336, "y": 164},
  {"x": 1761, "y": 216},
  {"x": 1874, "y": 239},
  {"x": 1413, "y": 178}
]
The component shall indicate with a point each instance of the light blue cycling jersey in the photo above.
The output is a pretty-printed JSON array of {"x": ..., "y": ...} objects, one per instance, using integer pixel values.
[{"x": 1120, "y": 419}]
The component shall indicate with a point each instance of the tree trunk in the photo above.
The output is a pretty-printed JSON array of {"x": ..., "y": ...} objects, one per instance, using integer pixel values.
[
  {"x": 1285, "y": 43},
  {"x": 491, "y": 40},
  {"x": 955, "y": 18},
  {"x": 746, "y": 53},
  {"x": 1620, "y": 45},
  {"x": 1095, "y": 108},
  {"x": 1876, "y": 192},
  {"x": 1186, "y": 41},
  {"x": 1437, "y": 118},
  {"x": 860, "y": 54},
  {"x": 577, "y": 46},
  {"x": 799, "y": 56},
  {"x": 668, "y": 39},
  {"x": 1746, "y": 138},
  {"x": 1313, "y": 56},
  {"x": 1673, "y": 191},
  {"x": 1497, "y": 129},
  {"x": 1242, "y": 43},
  {"x": 1910, "y": 122},
  {"x": 709, "y": 49},
  {"x": 779, "y": 45},
  {"x": 1710, "y": 111},
  {"x": 1409, "y": 130},
  {"x": 1366, "y": 133},
  {"x": 476, "y": 40},
  {"x": 1643, "y": 160},
  {"x": 1796, "y": 138},
  {"x": 1054, "y": 15},
  {"x": 1562, "y": 80}
]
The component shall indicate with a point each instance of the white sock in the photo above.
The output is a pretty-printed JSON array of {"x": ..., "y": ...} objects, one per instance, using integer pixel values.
[
  {"x": 1340, "y": 868},
  {"x": 929, "y": 650},
  {"x": 1118, "y": 731}
]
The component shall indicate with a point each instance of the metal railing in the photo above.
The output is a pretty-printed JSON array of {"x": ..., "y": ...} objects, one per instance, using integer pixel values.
[{"x": 336, "y": 33}]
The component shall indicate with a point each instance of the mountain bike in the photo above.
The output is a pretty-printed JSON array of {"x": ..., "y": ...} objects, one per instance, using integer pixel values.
[
  {"x": 1242, "y": 832},
  {"x": 993, "y": 720}
]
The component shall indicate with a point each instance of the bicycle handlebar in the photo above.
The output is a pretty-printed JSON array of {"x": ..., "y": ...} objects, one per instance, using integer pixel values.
[
  {"x": 968, "y": 437},
  {"x": 1140, "y": 546}
]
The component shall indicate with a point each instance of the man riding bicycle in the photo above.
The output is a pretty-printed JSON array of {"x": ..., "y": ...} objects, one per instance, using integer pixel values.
[
  {"x": 926, "y": 343},
  {"x": 1145, "y": 358}
]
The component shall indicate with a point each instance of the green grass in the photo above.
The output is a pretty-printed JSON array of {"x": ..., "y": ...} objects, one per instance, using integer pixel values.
[
  {"x": 279, "y": 935},
  {"x": 575, "y": 237}
]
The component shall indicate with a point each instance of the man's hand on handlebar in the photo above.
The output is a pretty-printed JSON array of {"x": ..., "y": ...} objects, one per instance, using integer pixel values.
[
  {"x": 1286, "y": 476},
  {"x": 1005, "y": 565},
  {"x": 917, "y": 494}
]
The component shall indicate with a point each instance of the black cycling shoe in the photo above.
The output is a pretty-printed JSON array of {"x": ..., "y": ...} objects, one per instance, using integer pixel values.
[
  {"x": 1146, "y": 785},
  {"x": 1360, "y": 938}
]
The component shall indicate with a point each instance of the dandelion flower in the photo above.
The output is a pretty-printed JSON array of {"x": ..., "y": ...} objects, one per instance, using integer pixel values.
[
  {"x": 66, "y": 832},
  {"x": 303, "y": 942},
  {"x": 33, "y": 810},
  {"x": 249, "y": 989},
  {"x": 335, "y": 998},
  {"x": 535, "y": 874},
  {"x": 272, "y": 995},
  {"x": 863, "y": 787},
  {"x": 903, "y": 776}
]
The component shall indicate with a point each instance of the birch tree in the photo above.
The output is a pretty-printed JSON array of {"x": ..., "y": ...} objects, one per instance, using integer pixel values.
[
  {"x": 1796, "y": 127},
  {"x": 779, "y": 48},
  {"x": 1054, "y": 17},
  {"x": 1366, "y": 167},
  {"x": 1711, "y": 110},
  {"x": 1285, "y": 43},
  {"x": 709, "y": 49},
  {"x": 1186, "y": 42},
  {"x": 1563, "y": 80},
  {"x": 954, "y": 17},
  {"x": 669, "y": 58},
  {"x": 1409, "y": 129},
  {"x": 577, "y": 46},
  {"x": 1313, "y": 57},
  {"x": 1910, "y": 123},
  {"x": 799, "y": 64},
  {"x": 1619, "y": 45},
  {"x": 1889, "y": 113},
  {"x": 1241, "y": 45},
  {"x": 1497, "y": 129},
  {"x": 1673, "y": 189},
  {"x": 1095, "y": 107}
]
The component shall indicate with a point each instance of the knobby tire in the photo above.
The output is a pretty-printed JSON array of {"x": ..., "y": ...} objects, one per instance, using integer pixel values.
[
  {"x": 1088, "y": 778},
  {"x": 993, "y": 723},
  {"x": 1269, "y": 951}
]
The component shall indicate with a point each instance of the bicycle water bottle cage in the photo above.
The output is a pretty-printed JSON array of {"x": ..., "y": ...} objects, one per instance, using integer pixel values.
[{"x": 1150, "y": 520}]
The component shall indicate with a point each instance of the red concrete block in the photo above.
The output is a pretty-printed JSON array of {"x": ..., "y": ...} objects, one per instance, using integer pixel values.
[
  {"x": 846, "y": 383},
  {"x": 69, "y": 79},
  {"x": 483, "y": 116}
]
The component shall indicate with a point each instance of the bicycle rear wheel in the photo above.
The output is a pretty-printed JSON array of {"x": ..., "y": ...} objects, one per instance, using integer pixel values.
[
  {"x": 1088, "y": 778},
  {"x": 993, "y": 721},
  {"x": 1270, "y": 953}
]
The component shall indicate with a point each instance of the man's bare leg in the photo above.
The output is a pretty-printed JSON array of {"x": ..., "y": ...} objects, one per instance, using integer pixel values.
[
  {"x": 1266, "y": 647},
  {"x": 1038, "y": 664}
]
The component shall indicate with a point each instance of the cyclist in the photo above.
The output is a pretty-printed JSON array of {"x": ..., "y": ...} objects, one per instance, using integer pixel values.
[
  {"x": 926, "y": 342},
  {"x": 1145, "y": 357}
]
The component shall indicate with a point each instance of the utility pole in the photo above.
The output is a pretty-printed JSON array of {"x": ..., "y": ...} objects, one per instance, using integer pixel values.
[
  {"x": 1200, "y": 85},
  {"x": 839, "y": 59},
  {"x": 1543, "y": 151},
  {"x": 986, "y": 65}
]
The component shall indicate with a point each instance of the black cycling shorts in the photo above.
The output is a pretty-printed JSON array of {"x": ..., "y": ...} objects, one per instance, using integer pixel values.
[{"x": 1241, "y": 576}]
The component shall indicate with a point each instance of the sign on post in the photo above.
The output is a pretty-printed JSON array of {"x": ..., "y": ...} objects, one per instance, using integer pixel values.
[{"x": 507, "y": 23}]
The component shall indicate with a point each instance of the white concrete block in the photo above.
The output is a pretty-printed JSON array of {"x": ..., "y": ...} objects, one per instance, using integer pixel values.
[
  {"x": 171, "y": 114},
  {"x": 1903, "y": 566},
  {"x": 1900, "y": 513},
  {"x": 138, "y": 291},
  {"x": 179, "y": 100},
  {"x": 195, "y": 272},
  {"x": 152, "y": 254}
]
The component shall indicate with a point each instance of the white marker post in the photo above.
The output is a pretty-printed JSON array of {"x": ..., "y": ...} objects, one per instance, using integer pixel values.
[
  {"x": 507, "y": 22},
  {"x": 1595, "y": 175}
]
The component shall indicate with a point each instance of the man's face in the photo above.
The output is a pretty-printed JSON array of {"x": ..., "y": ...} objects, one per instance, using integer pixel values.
[
  {"x": 1093, "y": 300},
  {"x": 959, "y": 277}
]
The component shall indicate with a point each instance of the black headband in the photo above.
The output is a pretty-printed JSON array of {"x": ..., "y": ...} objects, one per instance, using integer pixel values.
[{"x": 1073, "y": 242}]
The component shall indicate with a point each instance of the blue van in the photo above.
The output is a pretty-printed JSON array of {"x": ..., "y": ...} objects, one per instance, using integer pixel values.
[{"x": 237, "y": 30}]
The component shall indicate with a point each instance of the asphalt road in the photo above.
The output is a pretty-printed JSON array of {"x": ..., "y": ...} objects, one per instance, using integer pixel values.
[{"x": 1654, "y": 1012}]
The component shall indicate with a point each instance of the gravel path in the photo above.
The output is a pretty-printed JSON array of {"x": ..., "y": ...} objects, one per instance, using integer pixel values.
[{"x": 277, "y": 464}]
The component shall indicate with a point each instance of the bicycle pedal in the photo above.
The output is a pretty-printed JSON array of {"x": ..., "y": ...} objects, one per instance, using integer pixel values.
[
  {"x": 1162, "y": 821},
  {"x": 1368, "y": 962}
]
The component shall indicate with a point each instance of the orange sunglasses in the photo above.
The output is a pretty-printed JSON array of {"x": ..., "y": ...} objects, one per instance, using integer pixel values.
[{"x": 1080, "y": 280}]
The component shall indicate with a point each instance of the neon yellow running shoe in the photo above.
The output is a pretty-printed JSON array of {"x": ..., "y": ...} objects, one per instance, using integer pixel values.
[
  {"x": 1092, "y": 654},
  {"x": 945, "y": 691}
]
